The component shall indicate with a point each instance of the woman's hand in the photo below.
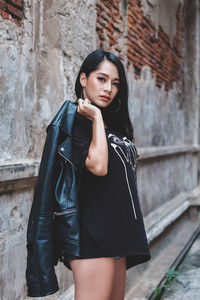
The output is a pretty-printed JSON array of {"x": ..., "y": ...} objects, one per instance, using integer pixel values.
[{"x": 86, "y": 109}]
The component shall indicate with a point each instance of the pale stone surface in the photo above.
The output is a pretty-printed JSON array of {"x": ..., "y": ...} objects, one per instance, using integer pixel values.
[
  {"x": 155, "y": 152},
  {"x": 186, "y": 295},
  {"x": 66, "y": 34},
  {"x": 13, "y": 170},
  {"x": 38, "y": 65},
  {"x": 162, "y": 13},
  {"x": 155, "y": 113},
  {"x": 166, "y": 178},
  {"x": 186, "y": 285},
  {"x": 13, "y": 224},
  {"x": 142, "y": 279},
  {"x": 159, "y": 119},
  {"x": 164, "y": 215}
]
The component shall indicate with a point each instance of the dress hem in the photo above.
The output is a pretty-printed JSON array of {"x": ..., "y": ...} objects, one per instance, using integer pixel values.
[{"x": 131, "y": 259}]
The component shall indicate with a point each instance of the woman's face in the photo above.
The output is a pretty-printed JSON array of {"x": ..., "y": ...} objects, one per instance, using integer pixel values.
[{"x": 101, "y": 86}]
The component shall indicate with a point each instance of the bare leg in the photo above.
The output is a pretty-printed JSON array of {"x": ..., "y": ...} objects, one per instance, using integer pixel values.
[
  {"x": 119, "y": 281},
  {"x": 93, "y": 278}
]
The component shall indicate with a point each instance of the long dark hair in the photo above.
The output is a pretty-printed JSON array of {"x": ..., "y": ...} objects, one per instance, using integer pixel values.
[{"x": 115, "y": 115}]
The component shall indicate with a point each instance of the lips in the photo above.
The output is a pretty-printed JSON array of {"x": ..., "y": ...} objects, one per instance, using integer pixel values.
[{"x": 105, "y": 98}]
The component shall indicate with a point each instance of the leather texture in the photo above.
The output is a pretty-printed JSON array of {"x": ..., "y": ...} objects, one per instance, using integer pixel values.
[{"x": 53, "y": 228}]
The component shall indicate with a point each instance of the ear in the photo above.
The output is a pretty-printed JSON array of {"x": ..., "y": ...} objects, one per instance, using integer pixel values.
[{"x": 83, "y": 79}]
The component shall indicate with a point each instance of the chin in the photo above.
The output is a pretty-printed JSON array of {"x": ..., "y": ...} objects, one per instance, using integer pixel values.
[
  {"x": 101, "y": 104},
  {"x": 105, "y": 103}
]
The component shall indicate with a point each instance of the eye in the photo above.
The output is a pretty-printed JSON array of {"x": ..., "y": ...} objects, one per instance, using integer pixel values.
[
  {"x": 116, "y": 84},
  {"x": 101, "y": 79}
]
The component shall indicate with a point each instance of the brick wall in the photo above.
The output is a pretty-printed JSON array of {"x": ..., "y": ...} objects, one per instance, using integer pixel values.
[
  {"x": 144, "y": 45},
  {"x": 109, "y": 25},
  {"x": 12, "y": 9}
]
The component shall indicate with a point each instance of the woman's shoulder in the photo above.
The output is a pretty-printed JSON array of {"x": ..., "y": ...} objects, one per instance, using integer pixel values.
[
  {"x": 82, "y": 125},
  {"x": 82, "y": 120}
]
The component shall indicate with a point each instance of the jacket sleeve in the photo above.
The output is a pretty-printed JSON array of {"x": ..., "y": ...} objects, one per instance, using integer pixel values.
[
  {"x": 81, "y": 140},
  {"x": 40, "y": 273}
]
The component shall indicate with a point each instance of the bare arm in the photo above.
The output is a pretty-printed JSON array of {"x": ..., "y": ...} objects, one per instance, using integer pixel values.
[{"x": 97, "y": 159}]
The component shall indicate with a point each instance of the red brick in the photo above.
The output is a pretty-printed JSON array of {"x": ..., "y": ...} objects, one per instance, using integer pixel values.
[
  {"x": 17, "y": 2},
  {"x": 4, "y": 14},
  {"x": 160, "y": 54},
  {"x": 107, "y": 4},
  {"x": 14, "y": 11},
  {"x": 3, "y": 4}
]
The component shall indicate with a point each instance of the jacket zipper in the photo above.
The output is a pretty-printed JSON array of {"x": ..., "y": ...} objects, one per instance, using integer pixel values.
[
  {"x": 65, "y": 212},
  {"x": 66, "y": 159}
]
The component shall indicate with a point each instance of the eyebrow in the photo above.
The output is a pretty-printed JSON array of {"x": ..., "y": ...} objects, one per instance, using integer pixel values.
[{"x": 107, "y": 75}]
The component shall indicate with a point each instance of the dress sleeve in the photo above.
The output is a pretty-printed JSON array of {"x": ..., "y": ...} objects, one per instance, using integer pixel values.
[{"x": 81, "y": 139}]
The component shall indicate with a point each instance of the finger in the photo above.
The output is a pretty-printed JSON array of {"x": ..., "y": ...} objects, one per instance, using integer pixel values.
[
  {"x": 87, "y": 101},
  {"x": 80, "y": 104},
  {"x": 80, "y": 100}
]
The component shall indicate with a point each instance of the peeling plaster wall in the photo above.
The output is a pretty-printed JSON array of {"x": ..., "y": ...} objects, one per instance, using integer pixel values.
[
  {"x": 13, "y": 223},
  {"x": 157, "y": 115},
  {"x": 164, "y": 178},
  {"x": 159, "y": 120},
  {"x": 191, "y": 77},
  {"x": 161, "y": 41},
  {"x": 65, "y": 34},
  {"x": 38, "y": 65},
  {"x": 16, "y": 88},
  {"x": 39, "y": 60},
  {"x": 167, "y": 118},
  {"x": 163, "y": 13}
]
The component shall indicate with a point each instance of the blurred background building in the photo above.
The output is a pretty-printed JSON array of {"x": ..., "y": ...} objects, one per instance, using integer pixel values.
[{"x": 42, "y": 45}]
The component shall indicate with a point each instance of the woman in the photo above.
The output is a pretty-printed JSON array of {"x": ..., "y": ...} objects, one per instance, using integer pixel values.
[{"x": 112, "y": 235}]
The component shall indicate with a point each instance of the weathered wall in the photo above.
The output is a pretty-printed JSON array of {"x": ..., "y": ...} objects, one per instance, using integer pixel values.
[
  {"x": 39, "y": 61},
  {"x": 153, "y": 55},
  {"x": 41, "y": 50},
  {"x": 63, "y": 39},
  {"x": 155, "y": 40},
  {"x": 42, "y": 44}
]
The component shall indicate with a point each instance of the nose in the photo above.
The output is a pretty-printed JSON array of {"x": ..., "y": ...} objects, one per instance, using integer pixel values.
[{"x": 108, "y": 86}]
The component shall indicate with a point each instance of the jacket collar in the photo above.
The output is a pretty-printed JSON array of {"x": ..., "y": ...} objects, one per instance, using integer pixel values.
[{"x": 65, "y": 117}]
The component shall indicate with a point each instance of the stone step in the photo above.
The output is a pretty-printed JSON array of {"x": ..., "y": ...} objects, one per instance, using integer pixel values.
[
  {"x": 142, "y": 279},
  {"x": 186, "y": 286}
]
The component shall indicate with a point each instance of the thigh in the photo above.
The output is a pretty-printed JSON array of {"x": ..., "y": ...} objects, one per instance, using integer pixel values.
[
  {"x": 119, "y": 280},
  {"x": 93, "y": 278}
]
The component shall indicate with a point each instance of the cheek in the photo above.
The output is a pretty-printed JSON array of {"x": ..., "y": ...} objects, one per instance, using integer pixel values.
[
  {"x": 95, "y": 86},
  {"x": 90, "y": 89},
  {"x": 115, "y": 92}
]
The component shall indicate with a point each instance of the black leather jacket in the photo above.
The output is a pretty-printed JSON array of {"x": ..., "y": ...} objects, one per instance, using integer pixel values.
[{"x": 53, "y": 228}]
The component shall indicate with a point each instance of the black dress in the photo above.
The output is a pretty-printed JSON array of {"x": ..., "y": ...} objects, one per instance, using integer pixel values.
[{"x": 111, "y": 222}]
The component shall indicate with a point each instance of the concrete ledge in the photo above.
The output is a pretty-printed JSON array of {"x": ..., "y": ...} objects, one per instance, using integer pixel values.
[
  {"x": 13, "y": 170},
  {"x": 194, "y": 197},
  {"x": 154, "y": 152},
  {"x": 21, "y": 174},
  {"x": 159, "y": 219},
  {"x": 15, "y": 175}
]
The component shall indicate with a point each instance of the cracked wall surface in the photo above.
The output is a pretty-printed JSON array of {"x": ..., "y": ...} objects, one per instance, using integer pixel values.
[
  {"x": 39, "y": 63},
  {"x": 39, "y": 60}
]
